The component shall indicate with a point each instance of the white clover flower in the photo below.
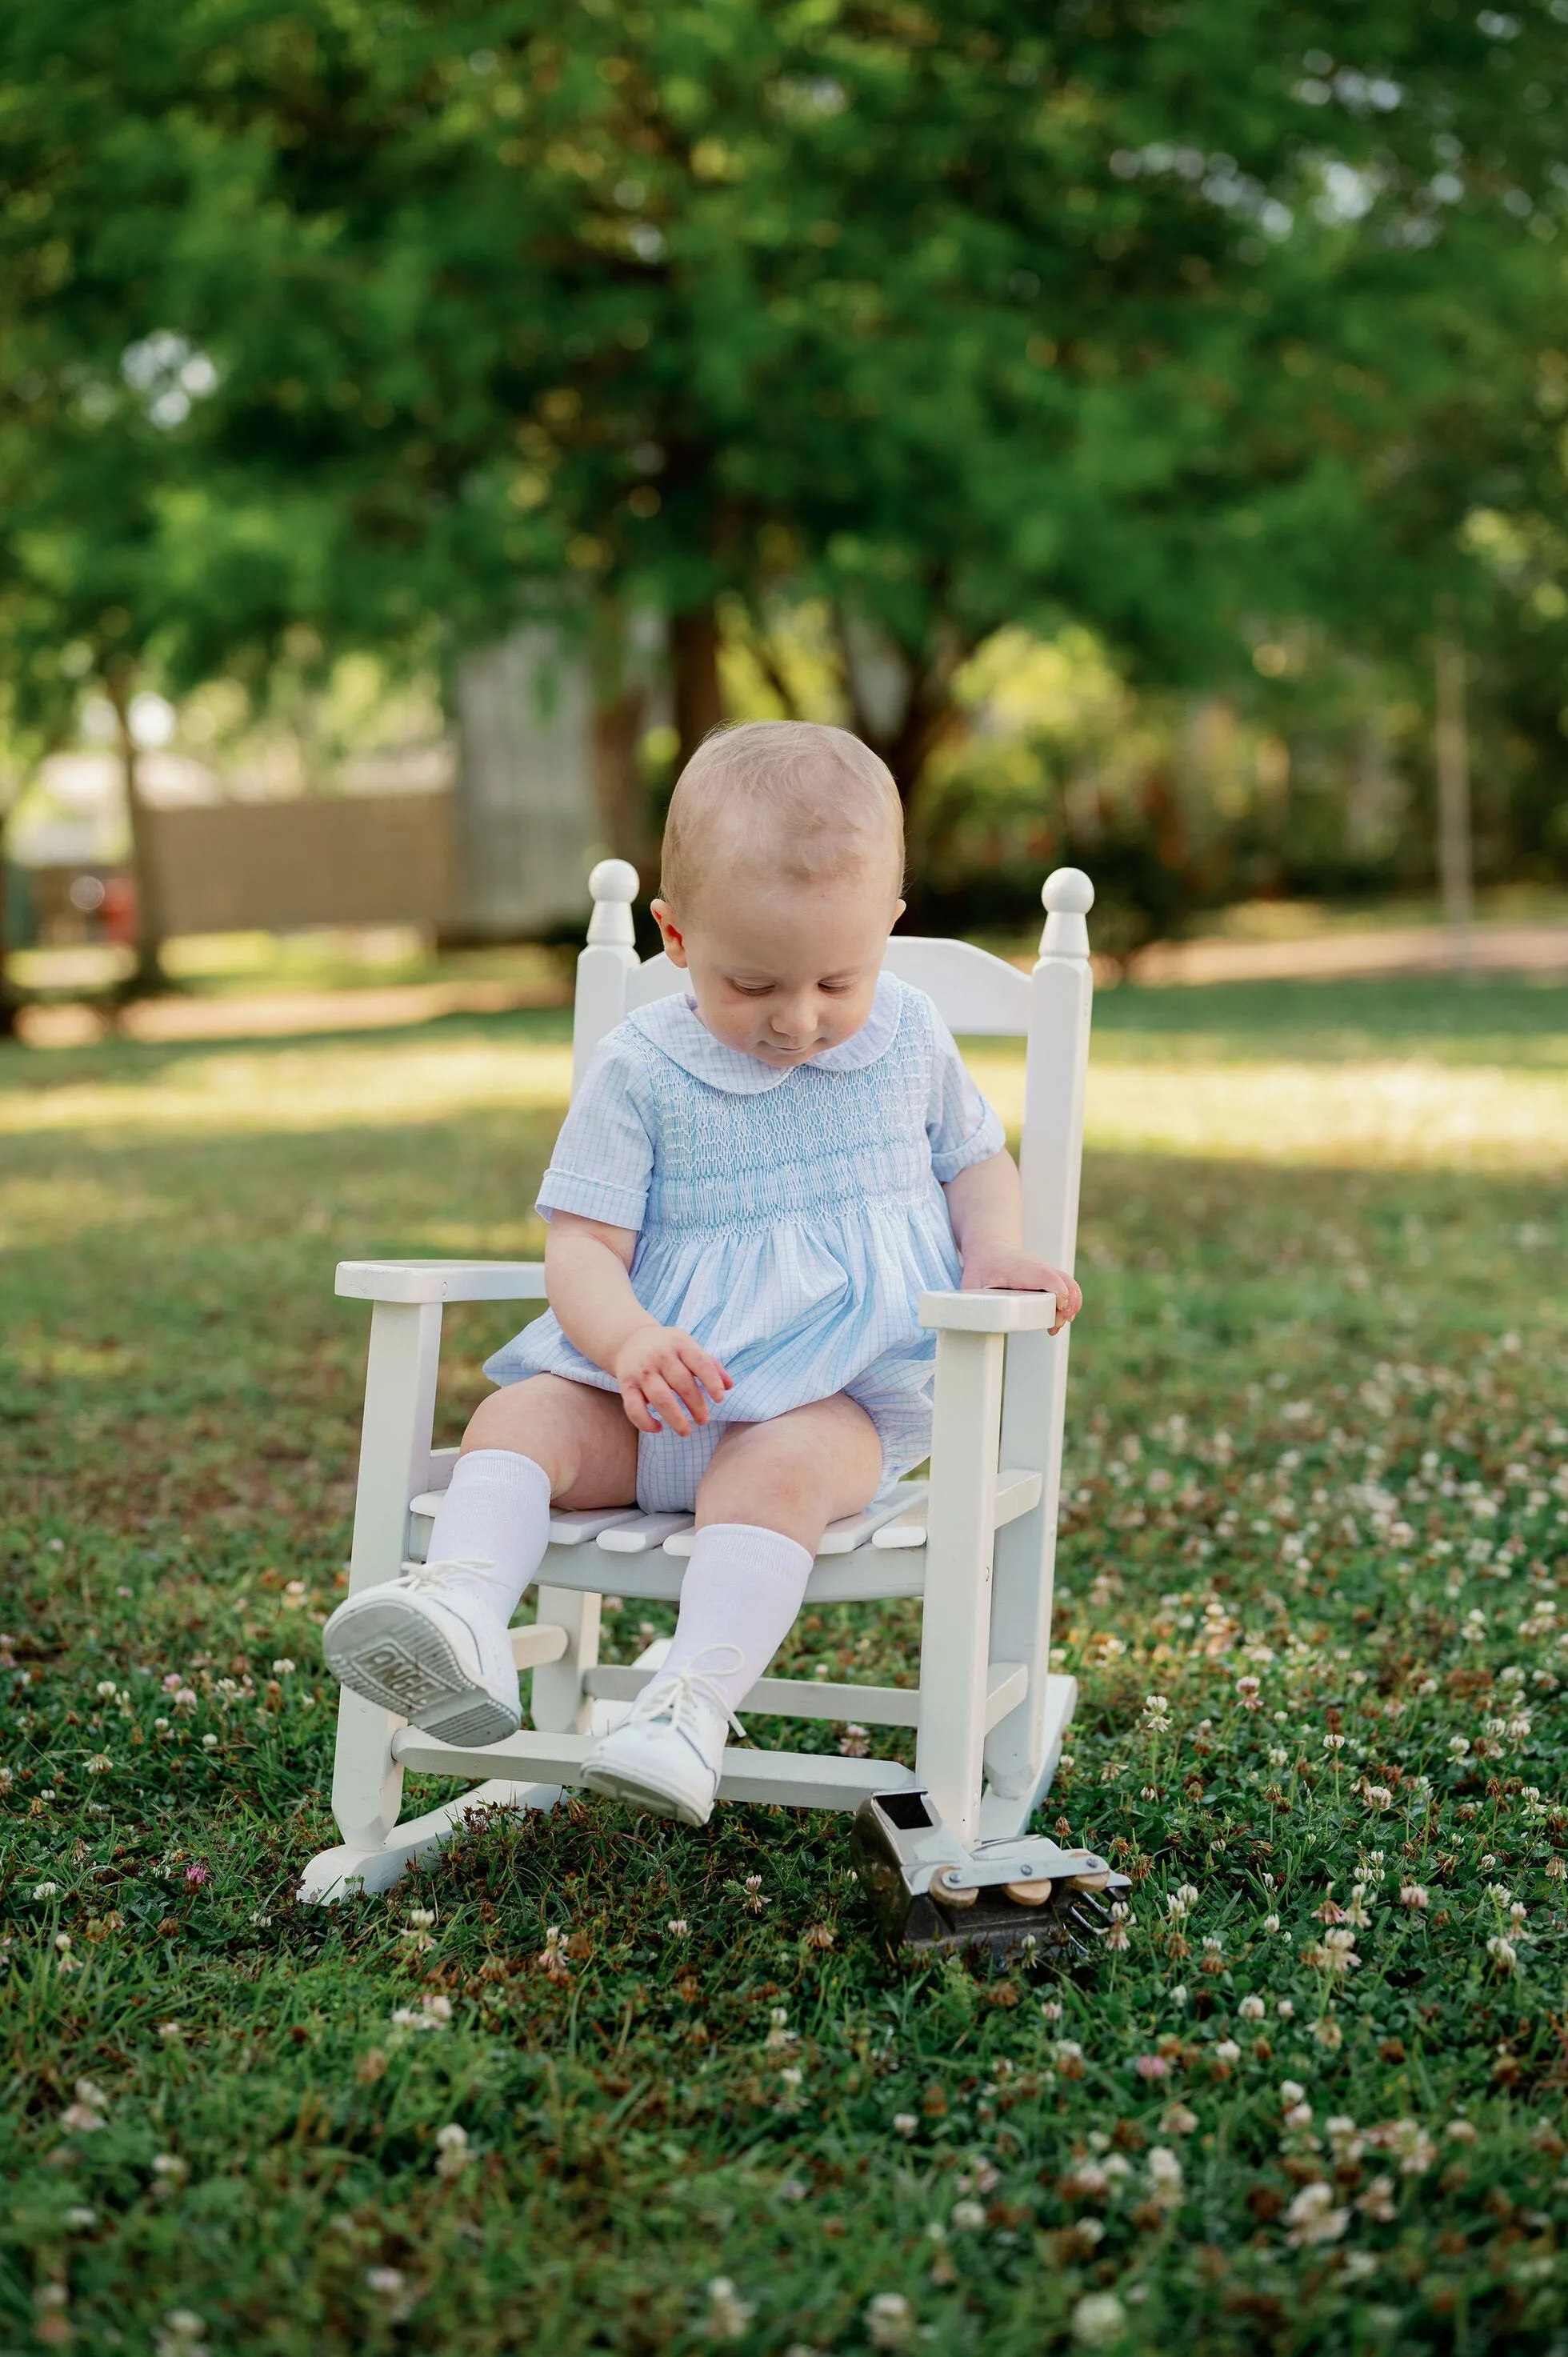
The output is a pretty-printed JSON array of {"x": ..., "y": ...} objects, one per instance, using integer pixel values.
[
  {"x": 1503, "y": 1953},
  {"x": 904, "y": 2124},
  {"x": 1227, "y": 2051},
  {"x": 1251, "y": 2008},
  {"x": 1098, "y": 2319},
  {"x": 283, "y": 1667},
  {"x": 968, "y": 2217},
  {"x": 386, "y": 2282},
  {"x": 46, "y": 1891},
  {"x": 1165, "y": 2179},
  {"x": 1313, "y": 2218},
  {"x": 1291, "y": 2091},
  {"x": 889, "y": 2319}
]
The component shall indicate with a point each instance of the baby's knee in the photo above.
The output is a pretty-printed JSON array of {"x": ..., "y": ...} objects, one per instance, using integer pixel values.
[{"x": 544, "y": 1418}]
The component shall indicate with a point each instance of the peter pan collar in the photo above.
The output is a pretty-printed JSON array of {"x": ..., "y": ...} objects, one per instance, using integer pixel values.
[{"x": 673, "y": 1025}]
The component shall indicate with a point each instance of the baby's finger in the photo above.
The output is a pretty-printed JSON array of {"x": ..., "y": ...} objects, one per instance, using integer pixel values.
[
  {"x": 686, "y": 1387},
  {"x": 707, "y": 1369},
  {"x": 664, "y": 1403},
  {"x": 636, "y": 1408}
]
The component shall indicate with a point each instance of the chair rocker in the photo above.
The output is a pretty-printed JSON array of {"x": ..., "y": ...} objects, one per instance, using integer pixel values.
[{"x": 974, "y": 1540}]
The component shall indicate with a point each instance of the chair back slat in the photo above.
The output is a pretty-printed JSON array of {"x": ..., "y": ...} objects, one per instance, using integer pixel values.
[{"x": 974, "y": 992}]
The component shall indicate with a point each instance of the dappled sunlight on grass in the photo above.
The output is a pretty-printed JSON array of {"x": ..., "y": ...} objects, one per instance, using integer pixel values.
[
  {"x": 1315, "y": 1515},
  {"x": 1366, "y": 1115}
]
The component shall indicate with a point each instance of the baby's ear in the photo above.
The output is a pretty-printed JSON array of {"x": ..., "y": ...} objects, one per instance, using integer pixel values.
[{"x": 674, "y": 942}]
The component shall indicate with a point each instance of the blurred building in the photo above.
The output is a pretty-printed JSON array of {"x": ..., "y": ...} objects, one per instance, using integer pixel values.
[{"x": 481, "y": 832}]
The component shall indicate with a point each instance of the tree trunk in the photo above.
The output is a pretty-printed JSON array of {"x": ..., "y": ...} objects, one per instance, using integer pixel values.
[
  {"x": 620, "y": 791},
  {"x": 929, "y": 719},
  {"x": 699, "y": 704},
  {"x": 146, "y": 978},
  {"x": 8, "y": 995},
  {"x": 1451, "y": 748}
]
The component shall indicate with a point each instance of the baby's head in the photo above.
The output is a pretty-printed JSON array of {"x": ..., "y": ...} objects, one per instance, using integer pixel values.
[{"x": 783, "y": 862}]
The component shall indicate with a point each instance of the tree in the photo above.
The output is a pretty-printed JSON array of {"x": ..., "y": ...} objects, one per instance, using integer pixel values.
[{"x": 944, "y": 316}]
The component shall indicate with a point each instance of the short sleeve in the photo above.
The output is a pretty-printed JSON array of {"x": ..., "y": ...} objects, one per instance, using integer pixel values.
[
  {"x": 962, "y": 1127},
  {"x": 604, "y": 1155}
]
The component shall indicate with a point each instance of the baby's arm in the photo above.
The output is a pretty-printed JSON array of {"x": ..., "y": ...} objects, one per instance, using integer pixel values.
[
  {"x": 661, "y": 1371},
  {"x": 985, "y": 1204}
]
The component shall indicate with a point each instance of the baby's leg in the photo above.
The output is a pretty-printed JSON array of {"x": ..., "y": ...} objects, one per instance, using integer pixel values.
[
  {"x": 539, "y": 1443},
  {"x": 580, "y": 1436},
  {"x": 797, "y": 1473},
  {"x": 433, "y": 1644},
  {"x": 765, "y": 1501}
]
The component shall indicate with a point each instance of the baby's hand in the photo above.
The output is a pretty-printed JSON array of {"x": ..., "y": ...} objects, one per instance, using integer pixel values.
[
  {"x": 1008, "y": 1269},
  {"x": 662, "y": 1375}
]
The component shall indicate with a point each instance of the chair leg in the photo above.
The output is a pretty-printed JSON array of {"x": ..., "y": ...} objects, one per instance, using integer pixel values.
[
  {"x": 955, "y": 1631},
  {"x": 559, "y": 1706},
  {"x": 1004, "y": 1815}
]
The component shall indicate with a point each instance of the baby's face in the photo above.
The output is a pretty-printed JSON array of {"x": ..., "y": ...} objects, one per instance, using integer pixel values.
[{"x": 783, "y": 972}]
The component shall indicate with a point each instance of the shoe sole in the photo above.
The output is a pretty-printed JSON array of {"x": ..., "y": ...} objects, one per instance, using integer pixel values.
[
  {"x": 615, "y": 1784},
  {"x": 395, "y": 1657}
]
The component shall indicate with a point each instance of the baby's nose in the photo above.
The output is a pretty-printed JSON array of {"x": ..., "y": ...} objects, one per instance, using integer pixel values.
[{"x": 794, "y": 1023}]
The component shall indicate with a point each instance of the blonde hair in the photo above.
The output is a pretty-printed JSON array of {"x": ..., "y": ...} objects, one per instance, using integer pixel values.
[{"x": 792, "y": 799}]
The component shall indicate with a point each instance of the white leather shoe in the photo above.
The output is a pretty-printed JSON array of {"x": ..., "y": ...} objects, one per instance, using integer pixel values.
[
  {"x": 435, "y": 1656},
  {"x": 667, "y": 1753}
]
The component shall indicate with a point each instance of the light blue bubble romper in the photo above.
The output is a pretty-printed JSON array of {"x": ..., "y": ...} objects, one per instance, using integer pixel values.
[{"x": 790, "y": 1220}]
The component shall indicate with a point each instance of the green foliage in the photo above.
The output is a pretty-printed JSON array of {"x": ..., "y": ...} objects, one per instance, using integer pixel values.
[
  {"x": 1316, "y": 1440},
  {"x": 363, "y": 315}
]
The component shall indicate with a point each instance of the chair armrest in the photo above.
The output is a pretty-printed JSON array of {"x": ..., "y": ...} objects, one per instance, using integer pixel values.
[
  {"x": 441, "y": 1280},
  {"x": 988, "y": 1313}
]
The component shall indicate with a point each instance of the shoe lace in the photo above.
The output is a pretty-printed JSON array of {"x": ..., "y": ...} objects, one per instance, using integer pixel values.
[
  {"x": 435, "y": 1575},
  {"x": 679, "y": 1696}
]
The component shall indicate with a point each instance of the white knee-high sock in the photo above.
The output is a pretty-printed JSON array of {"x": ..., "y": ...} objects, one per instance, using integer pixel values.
[
  {"x": 493, "y": 1523},
  {"x": 743, "y": 1589}
]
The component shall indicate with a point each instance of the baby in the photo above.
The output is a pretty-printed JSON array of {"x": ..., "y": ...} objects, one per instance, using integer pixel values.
[{"x": 756, "y": 1180}]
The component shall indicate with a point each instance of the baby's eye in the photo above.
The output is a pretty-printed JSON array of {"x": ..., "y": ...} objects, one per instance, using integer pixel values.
[{"x": 751, "y": 989}]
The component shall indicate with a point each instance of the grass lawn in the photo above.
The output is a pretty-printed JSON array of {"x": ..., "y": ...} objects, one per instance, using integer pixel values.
[{"x": 1310, "y": 2099}]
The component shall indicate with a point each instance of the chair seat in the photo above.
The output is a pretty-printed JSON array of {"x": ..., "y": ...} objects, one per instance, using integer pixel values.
[
  {"x": 870, "y": 1575},
  {"x": 868, "y": 1558}
]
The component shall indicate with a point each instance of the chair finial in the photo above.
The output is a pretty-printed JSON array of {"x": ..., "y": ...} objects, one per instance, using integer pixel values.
[
  {"x": 614, "y": 884},
  {"x": 1069, "y": 896}
]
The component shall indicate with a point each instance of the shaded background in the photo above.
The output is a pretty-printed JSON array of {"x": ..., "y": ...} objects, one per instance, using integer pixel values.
[{"x": 1144, "y": 427}]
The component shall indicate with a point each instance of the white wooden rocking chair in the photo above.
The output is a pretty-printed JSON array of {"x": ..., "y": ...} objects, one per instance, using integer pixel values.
[{"x": 975, "y": 1541}]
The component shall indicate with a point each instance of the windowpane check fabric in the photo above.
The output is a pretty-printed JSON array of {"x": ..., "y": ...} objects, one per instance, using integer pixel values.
[{"x": 790, "y": 1220}]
